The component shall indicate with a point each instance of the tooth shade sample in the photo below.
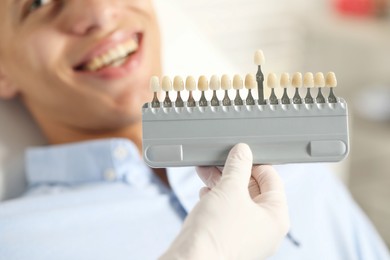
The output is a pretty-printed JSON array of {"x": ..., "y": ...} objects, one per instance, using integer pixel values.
[
  {"x": 284, "y": 80},
  {"x": 319, "y": 80},
  {"x": 271, "y": 80},
  {"x": 308, "y": 83},
  {"x": 166, "y": 84},
  {"x": 203, "y": 83},
  {"x": 308, "y": 80},
  {"x": 178, "y": 84},
  {"x": 259, "y": 58},
  {"x": 250, "y": 82},
  {"x": 331, "y": 80},
  {"x": 155, "y": 87},
  {"x": 155, "y": 84},
  {"x": 226, "y": 84},
  {"x": 285, "y": 83},
  {"x": 237, "y": 82},
  {"x": 190, "y": 86},
  {"x": 190, "y": 83},
  {"x": 215, "y": 84},
  {"x": 297, "y": 80}
]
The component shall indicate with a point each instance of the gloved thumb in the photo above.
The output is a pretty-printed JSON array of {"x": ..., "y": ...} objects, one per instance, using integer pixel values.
[{"x": 238, "y": 167}]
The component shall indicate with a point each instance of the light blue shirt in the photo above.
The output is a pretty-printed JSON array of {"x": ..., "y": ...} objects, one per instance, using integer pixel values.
[{"x": 98, "y": 200}]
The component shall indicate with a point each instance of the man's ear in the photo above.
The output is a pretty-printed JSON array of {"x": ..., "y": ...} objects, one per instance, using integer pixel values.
[{"x": 7, "y": 90}]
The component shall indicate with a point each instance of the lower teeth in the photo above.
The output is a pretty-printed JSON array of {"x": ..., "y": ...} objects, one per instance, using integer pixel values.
[{"x": 119, "y": 62}]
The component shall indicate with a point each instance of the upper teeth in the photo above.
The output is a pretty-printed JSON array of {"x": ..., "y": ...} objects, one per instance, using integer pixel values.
[{"x": 120, "y": 51}]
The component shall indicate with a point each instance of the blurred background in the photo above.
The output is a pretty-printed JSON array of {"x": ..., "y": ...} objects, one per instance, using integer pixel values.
[{"x": 349, "y": 37}]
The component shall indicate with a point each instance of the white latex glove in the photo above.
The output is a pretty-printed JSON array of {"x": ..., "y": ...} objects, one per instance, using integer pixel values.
[{"x": 229, "y": 222}]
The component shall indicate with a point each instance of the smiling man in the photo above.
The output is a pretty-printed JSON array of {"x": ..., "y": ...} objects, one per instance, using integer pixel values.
[{"x": 82, "y": 68}]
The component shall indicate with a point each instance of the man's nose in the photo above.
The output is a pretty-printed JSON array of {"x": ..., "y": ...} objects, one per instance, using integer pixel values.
[{"x": 81, "y": 17}]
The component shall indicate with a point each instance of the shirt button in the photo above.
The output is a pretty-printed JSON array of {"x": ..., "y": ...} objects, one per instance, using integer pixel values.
[
  {"x": 109, "y": 175},
  {"x": 120, "y": 153}
]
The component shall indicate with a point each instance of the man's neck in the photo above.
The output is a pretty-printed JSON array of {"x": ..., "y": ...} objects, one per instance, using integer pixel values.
[{"x": 62, "y": 135}]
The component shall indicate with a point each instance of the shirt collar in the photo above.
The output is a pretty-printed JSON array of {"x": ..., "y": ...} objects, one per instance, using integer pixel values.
[{"x": 91, "y": 161}]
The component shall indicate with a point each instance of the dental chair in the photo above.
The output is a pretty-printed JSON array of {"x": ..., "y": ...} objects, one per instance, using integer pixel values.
[{"x": 17, "y": 131}]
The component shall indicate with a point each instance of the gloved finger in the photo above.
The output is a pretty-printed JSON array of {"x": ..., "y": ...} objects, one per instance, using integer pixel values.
[
  {"x": 203, "y": 191},
  {"x": 209, "y": 175},
  {"x": 238, "y": 166},
  {"x": 273, "y": 195},
  {"x": 267, "y": 178},
  {"x": 253, "y": 187}
]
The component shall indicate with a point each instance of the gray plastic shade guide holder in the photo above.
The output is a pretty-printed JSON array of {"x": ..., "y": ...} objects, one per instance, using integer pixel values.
[{"x": 277, "y": 134}]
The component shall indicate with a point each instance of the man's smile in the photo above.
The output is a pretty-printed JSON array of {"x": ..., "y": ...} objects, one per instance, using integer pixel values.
[{"x": 113, "y": 56}]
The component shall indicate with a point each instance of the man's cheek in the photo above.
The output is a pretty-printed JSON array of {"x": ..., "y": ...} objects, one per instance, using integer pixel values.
[{"x": 44, "y": 51}]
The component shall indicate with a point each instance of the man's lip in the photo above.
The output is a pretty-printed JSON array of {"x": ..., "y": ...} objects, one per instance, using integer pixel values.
[{"x": 106, "y": 44}]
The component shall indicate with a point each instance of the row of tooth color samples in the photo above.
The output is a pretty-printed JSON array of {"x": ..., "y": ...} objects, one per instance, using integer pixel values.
[{"x": 297, "y": 81}]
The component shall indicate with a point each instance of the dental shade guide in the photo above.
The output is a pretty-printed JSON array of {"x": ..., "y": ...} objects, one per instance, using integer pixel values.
[{"x": 289, "y": 129}]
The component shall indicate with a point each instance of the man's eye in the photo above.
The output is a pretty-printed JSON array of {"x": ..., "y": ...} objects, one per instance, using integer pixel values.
[{"x": 35, "y": 4}]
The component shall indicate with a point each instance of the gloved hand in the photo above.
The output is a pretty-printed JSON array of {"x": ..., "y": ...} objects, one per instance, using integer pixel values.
[{"x": 231, "y": 221}]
